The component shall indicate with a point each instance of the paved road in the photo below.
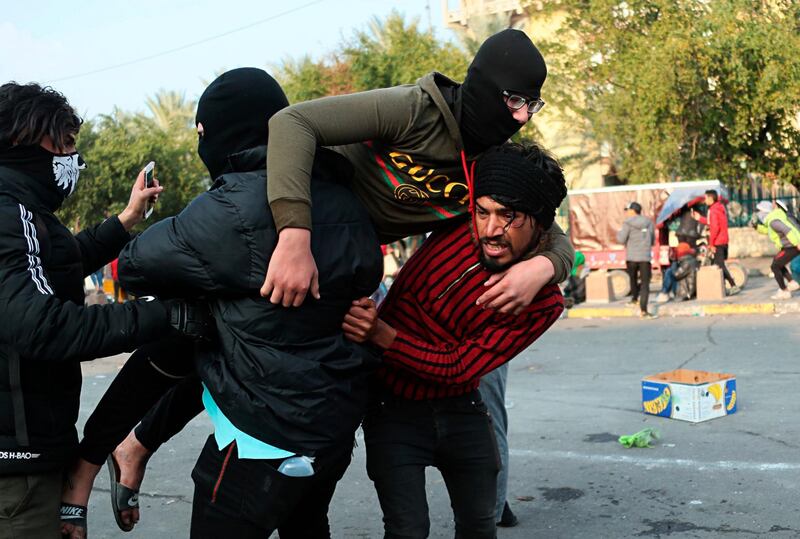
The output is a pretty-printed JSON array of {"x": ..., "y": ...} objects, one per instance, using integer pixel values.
[{"x": 573, "y": 393}]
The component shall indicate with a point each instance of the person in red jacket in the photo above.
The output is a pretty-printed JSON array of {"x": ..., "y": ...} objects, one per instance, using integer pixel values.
[
  {"x": 438, "y": 343},
  {"x": 119, "y": 293},
  {"x": 717, "y": 221}
]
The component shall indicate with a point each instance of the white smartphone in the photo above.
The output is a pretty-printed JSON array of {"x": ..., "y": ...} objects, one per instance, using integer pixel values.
[{"x": 149, "y": 175}]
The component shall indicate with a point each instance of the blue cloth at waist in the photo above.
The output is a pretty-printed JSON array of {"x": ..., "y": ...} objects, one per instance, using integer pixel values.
[{"x": 226, "y": 432}]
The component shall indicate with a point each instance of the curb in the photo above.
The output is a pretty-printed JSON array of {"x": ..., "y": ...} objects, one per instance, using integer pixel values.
[{"x": 713, "y": 309}]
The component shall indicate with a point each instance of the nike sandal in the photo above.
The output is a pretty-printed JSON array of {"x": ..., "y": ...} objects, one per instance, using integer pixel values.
[{"x": 122, "y": 497}]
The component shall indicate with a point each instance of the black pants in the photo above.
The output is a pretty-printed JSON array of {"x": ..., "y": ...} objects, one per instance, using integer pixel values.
[
  {"x": 246, "y": 498},
  {"x": 720, "y": 256},
  {"x": 455, "y": 434},
  {"x": 640, "y": 289},
  {"x": 779, "y": 263},
  {"x": 171, "y": 413},
  {"x": 150, "y": 373}
]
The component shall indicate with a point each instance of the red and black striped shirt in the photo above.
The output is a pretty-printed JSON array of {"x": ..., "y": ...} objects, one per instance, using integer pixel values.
[{"x": 445, "y": 343}]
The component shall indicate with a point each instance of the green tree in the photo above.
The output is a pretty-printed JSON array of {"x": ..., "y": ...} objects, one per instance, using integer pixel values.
[
  {"x": 388, "y": 53},
  {"x": 305, "y": 79},
  {"x": 393, "y": 52},
  {"x": 685, "y": 89}
]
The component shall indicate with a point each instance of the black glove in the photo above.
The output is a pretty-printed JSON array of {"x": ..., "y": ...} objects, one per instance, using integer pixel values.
[{"x": 191, "y": 318}]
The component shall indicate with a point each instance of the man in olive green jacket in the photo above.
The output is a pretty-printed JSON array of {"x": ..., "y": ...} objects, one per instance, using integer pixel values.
[{"x": 412, "y": 148}]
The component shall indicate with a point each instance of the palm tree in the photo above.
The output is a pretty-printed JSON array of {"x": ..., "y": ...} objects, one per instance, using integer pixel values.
[
  {"x": 171, "y": 110},
  {"x": 482, "y": 27}
]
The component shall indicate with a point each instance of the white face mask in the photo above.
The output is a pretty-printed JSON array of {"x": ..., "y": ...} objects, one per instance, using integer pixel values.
[{"x": 67, "y": 170}]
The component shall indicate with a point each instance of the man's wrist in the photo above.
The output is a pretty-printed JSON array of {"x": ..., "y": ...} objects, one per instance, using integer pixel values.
[
  {"x": 547, "y": 270},
  {"x": 383, "y": 336},
  {"x": 297, "y": 236},
  {"x": 128, "y": 219}
]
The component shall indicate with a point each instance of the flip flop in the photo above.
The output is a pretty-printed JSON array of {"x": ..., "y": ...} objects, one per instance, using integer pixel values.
[
  {"x": 122, "y": 497},
  {"x": 73, "y": 514}
]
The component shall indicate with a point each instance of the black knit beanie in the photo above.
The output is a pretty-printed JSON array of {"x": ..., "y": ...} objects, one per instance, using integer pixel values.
[
  {"x": 507, "y": 60},
  {"x": 235, "y": 110},
  {"x": 505, "y": 171}
]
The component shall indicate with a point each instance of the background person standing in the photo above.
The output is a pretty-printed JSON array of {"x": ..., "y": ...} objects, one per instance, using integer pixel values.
[
  {"x": 119, "y": 293},
  {"x": 717, "y": 222},
  {"x": 637, "y": 235}
]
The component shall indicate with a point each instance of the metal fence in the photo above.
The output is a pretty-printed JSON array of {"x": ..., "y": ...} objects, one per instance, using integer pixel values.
[{"x": 743, "y": 200}]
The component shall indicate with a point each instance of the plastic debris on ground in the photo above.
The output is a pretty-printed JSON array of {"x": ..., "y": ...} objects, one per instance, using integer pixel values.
[{"x": 643, "y": 438}]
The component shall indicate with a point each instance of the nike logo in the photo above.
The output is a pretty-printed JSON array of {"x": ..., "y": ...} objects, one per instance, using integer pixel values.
[{"x": 133, "y": 501}]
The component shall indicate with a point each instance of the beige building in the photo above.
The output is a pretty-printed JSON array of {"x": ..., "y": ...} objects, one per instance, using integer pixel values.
[{"x": 564, "y": 134}]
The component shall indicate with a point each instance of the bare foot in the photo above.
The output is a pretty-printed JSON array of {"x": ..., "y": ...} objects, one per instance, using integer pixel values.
[
  {"x": 131, "y": 457},
  {"x": 76, "y": 491}
]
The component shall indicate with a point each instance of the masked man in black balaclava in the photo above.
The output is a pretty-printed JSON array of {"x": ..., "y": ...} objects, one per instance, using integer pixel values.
[
  {"x": 284, "y": 389},
  {"x": 46, "y": 330},
  {"x": 506, "y": 62}
]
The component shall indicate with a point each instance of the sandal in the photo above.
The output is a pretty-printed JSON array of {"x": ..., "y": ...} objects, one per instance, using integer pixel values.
[
  {"x": 74, "y": 514},
  {"x": 122, "y": 497}
]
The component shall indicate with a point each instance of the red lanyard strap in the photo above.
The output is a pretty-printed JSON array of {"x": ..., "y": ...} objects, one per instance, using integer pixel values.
[{"x": 469, "y": 172}]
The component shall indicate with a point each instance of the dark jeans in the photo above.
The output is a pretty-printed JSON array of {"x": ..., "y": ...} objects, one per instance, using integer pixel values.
[
  {"x": 152, "y": 371},
  {"x": 670, "y": 283},
  {"x": 249, "y": 498},
  {"x": 29, "y": 505},
  {"x": 640, "y": 288},
  {"x": 779, "y": 263},
  {"x": 455, "y": 435},
  {"x": 720, "y": 256}
]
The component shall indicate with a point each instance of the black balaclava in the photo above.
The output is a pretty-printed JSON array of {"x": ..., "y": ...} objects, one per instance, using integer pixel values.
[
  {"x": 539, "y": 194},
  {"x": 234, "y": 111},
  {"x": 52, "y": 176},
  {"x": 506, "y": 61}
]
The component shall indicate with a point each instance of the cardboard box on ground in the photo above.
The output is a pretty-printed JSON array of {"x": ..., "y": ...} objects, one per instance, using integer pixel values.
[
  {"x": 710, "y": 284},
  {"x": 599, "y": 288},
  {"x": 689, "y": 395}
]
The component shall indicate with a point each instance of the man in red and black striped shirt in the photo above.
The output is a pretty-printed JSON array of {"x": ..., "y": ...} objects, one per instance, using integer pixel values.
[{"x": 438, "y": 342}]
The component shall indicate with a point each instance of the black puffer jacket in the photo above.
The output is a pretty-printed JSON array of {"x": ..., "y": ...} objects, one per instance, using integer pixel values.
[
  {"x": 285, "y": 376},
  {"x": 686, "y": 275},
  {"x": 44, "y": 327}
]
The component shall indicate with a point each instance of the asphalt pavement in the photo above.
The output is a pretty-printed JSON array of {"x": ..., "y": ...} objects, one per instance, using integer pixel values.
[{"x": 570, "y": 396}]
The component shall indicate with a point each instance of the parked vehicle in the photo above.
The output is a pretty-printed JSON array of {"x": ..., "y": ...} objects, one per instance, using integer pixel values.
[{"x": 595, "y": 216}]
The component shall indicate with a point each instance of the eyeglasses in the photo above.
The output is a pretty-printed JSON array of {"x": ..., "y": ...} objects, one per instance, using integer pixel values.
[{"x": 516, "y": 102}]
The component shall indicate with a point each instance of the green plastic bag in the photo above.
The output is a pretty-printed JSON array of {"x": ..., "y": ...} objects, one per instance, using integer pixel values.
[{"x": 643, "y": 438}]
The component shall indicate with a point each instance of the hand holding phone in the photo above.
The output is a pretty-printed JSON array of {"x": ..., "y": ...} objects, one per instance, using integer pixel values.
[{"x": 149, "y": 177}]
